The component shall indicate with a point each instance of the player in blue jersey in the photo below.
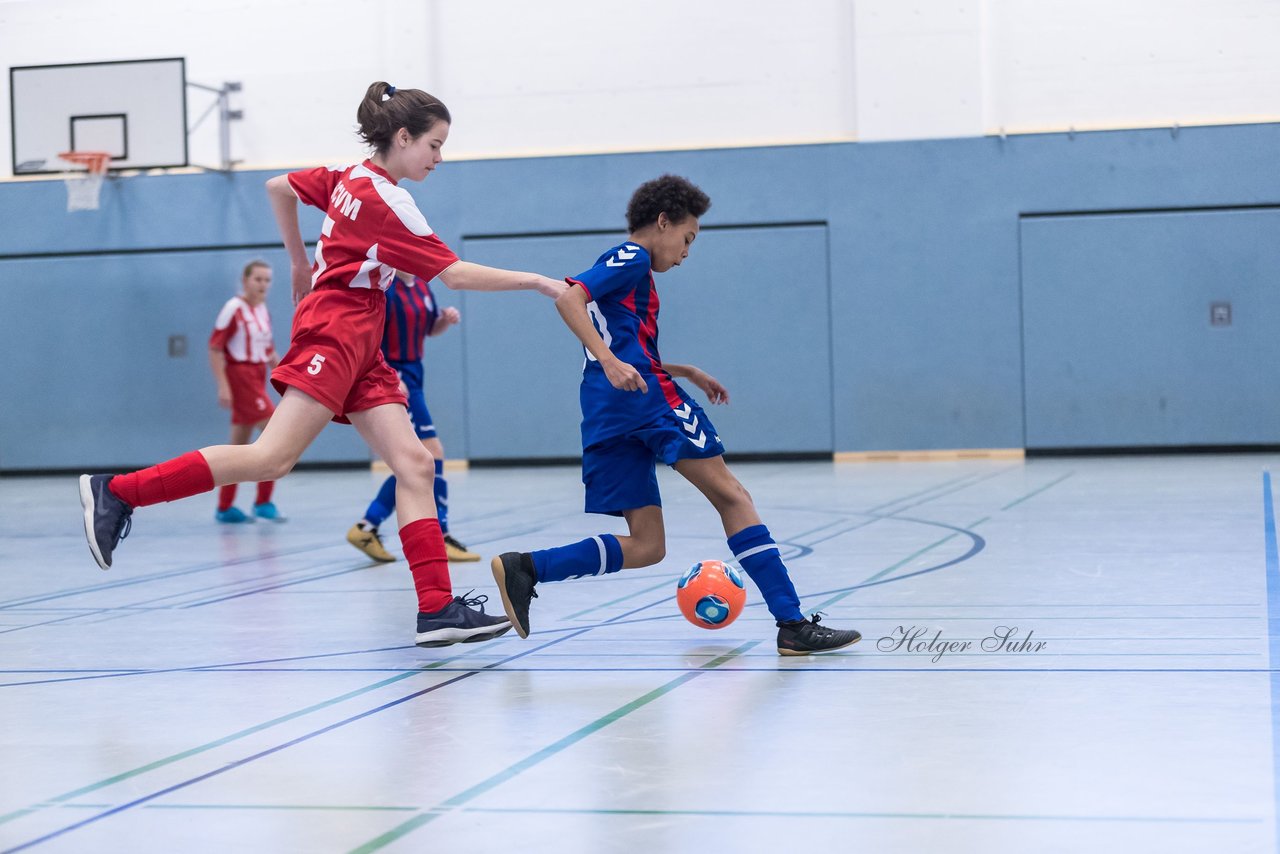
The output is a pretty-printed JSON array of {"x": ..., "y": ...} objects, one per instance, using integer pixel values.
[
  {"x": 634, "y": 414},
  {"x": 412, "y": 316}
]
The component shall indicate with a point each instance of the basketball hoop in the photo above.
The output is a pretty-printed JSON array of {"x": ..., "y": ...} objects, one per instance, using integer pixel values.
[{"x": 83, "y": 186}]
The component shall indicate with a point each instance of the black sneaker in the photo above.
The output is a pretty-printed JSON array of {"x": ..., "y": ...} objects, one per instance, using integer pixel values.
[
  {"x": 459, "y": 621},
  {"x": 805, "y": 636},
  {"x": 516, "y": 577},
  {"x": 107, "y": 519}
]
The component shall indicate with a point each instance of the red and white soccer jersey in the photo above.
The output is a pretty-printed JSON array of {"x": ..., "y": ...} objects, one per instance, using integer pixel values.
[
  {"x": 371, "y": 229},
  {"x": 243, "y": 332}
]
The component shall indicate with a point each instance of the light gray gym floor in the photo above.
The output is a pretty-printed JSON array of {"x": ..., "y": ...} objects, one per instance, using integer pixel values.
[{"x": 255, "y": 688}]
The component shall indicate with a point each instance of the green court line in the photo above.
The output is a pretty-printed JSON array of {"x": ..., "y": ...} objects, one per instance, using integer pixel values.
[
  {"x": 168, "y": 760},
  {"x": 545, "y": 753},
  {"x": 882, "y": 573},
  {"x": 662, "y": 583},
  {"x": 1038, "y": 491},
  {"x": 903, "y": 815},
  {"x": 282, "y": 807}
]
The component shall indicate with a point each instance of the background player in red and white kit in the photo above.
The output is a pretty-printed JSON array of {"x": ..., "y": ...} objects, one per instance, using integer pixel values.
[
  {"x": 334, "y": 369},
  {"x": 413, "y": 315},
  {"x": 241, "y": 351}
]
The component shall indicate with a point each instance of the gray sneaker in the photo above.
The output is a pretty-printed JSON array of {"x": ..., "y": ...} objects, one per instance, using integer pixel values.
[
  {"x": 107, "y": 519},
  {"x": 460, "y": 622}
]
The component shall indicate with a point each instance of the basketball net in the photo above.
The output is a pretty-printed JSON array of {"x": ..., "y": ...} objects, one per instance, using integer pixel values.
[{"x": 84, "y": 186}]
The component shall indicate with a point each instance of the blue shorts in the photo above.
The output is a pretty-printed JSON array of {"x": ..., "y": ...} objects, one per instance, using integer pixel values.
[
  {"x": 621, "y": 473},
  {"x": 411, "y": 373}
]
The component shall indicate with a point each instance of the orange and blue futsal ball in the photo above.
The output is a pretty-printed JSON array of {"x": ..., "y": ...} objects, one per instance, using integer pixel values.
[{"x": 711, "y": 594}]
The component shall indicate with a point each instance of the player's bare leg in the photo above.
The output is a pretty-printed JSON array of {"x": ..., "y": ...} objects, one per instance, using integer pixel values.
[
  {"x": 758, "y": 554},
  {"x": 294, "y": 425},
  {"x": 440, "y": 488},
  {"x": 108, "y": 502},
  {"x": 725, "y": 492},
  {"x": 227, "y": 512},
  {"x": 263, "y": 506},
  {"x": 646, "y": 541},
  {"x": 443, "y": 619}
]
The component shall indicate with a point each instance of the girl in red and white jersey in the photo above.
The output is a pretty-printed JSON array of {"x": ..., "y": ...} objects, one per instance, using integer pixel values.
[
  {"x": 334, "y": 369},
  {"x": 241, "y": 350}
]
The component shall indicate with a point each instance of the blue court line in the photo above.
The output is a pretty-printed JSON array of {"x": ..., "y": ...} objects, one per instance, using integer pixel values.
[
  {"x": 710, "y": 813},
  {"x": 1273, "y": 646},
  {"x": 222, "y": 769},
  {"x": 576, "y": 614},
  {"x": 874, "y": 517},
  {"x": 514, "y": 770},
  {"x": 971, "y": 476},
  {"x": 195, "y": 668},
  {"x": 825, "y": 668},
  {"x": 160, "y": 576},
  {"x": 270, "y": 587},
  {"x": 137, "y": 607},
  {"x": 269, "y": 751},
  {"x": 258, "y": 807},
  {"x": 307, "y": 571},
  {"x": 463, "y": 676},
  {"x": 121, "y": 612},
  {"x": 1074, "y": 605},
  {"x": 868, "y": 667},
  {"x": 24, "y": 626}
]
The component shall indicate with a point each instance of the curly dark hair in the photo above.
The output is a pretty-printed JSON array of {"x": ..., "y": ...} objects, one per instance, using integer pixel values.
[
  {"x": 386, "y": 109},
  {"x": 677, "y": 197}
]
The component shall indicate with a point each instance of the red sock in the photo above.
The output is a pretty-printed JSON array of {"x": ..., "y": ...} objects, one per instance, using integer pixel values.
[
  {"x": 226, "y": 497},
  {"x": 186, "y": 475},
  {"x": 264, "y": 491},
  {"x": 424, "y": 549}
]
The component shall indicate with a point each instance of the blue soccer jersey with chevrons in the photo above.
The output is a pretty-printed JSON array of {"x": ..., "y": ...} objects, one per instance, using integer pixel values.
[{"x": 624, "y": 309}]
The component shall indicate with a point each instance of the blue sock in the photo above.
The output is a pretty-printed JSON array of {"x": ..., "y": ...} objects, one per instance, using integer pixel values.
[
  {"x": 442, "y": 497},
  {"x": 592, "y": 556},
  {"x": 757, "y": 553},
  {"x": 384, "y": 505}
]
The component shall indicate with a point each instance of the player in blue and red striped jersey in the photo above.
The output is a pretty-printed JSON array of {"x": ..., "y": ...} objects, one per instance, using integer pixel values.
[
  {"x": 634, "y": 414},
  {"x": 412, "y": 316},
  {"x": 241, "y": 351},
  {"x": 334, "y": 369}
]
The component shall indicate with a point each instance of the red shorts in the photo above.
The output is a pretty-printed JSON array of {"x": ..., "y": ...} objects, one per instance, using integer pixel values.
[
  {"x": 335, "y": 354},
  {"x": 249, "y": 401}
]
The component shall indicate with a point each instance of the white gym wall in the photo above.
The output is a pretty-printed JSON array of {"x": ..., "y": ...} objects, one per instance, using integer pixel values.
[{"x": 573, "y": 76}]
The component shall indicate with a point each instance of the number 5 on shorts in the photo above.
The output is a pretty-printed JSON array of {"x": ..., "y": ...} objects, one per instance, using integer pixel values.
[{"x": 317, "y": 362}]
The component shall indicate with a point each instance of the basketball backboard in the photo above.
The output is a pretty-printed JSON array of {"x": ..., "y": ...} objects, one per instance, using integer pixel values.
[{"x": 136, "y": 110}]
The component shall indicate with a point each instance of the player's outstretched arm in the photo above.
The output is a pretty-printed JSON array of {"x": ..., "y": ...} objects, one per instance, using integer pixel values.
[
  {"x": 466, "y": 276},
  {"x": 572, "y": 305},
  {"x": 284, "y": 204},
  {"x": 711, "y": 387}
]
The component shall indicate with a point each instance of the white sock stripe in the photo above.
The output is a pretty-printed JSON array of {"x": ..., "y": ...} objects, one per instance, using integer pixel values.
[
  {"x": 604, "y": 556},
  {"x": 755, "y": 551}
]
